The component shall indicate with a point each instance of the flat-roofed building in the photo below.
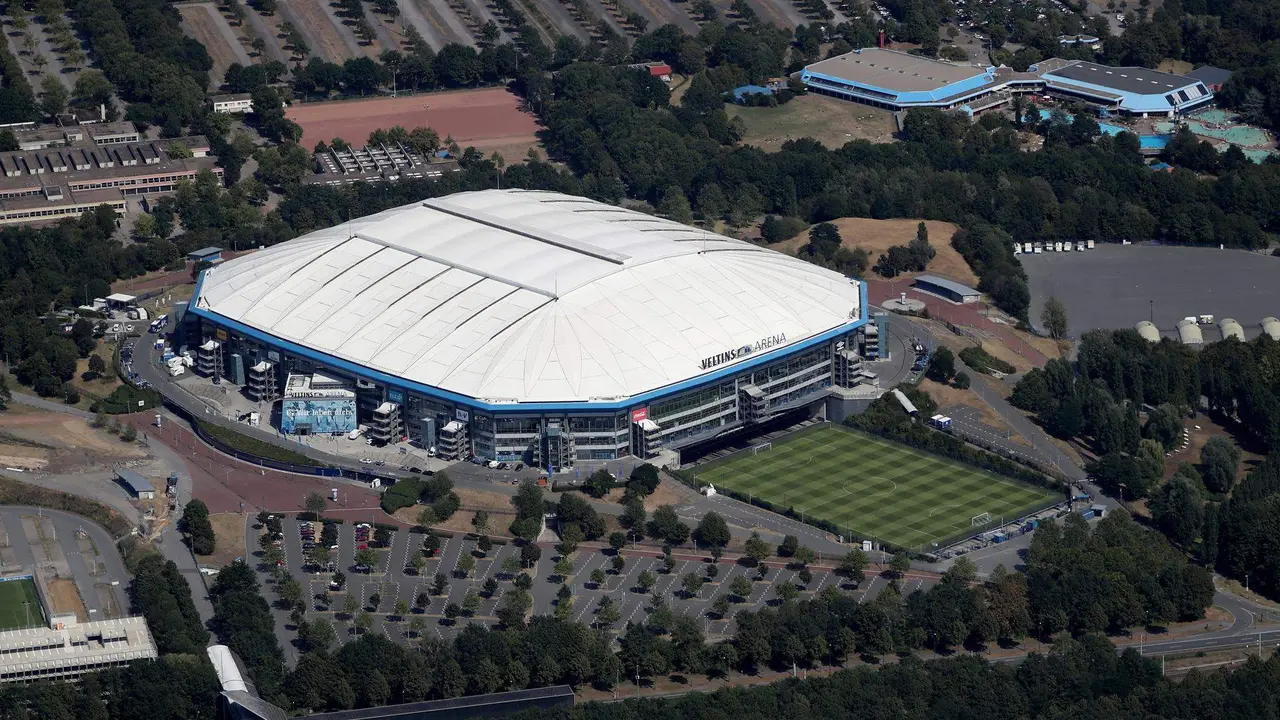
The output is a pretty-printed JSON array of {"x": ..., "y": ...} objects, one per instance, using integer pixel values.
[
  {"x": 69, "y": 649},
  {"x": 60, "y": 182},
  {"x": 236, "y": 103},
  {"x": 901, "y": 81}
]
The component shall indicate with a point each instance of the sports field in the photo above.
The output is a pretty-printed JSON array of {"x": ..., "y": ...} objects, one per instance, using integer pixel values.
[
  {"x": 13, "y": 616},
  {"x": 876, "y": 488}
]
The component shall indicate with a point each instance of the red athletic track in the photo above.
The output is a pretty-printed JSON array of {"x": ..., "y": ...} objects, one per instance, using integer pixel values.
[{"x": 468, "y": 115}]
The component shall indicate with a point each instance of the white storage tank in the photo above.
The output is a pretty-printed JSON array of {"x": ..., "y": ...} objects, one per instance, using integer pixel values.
[
  {"x": 1189, "y": 332},
  {"x": 1148, "y": 331},
  {"x": 1271, "y": 326}
]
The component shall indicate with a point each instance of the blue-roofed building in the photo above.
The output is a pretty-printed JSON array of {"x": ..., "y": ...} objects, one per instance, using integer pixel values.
[
  {"x": 900, "y": 81},
  {"x": 211, "y": 255},
  {"x": 138, "y": 486},
  {"x": 947, "y": 289},
  {"x": 740, "y": 93}
]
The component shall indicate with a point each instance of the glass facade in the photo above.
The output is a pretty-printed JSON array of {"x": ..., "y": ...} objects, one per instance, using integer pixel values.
[{"x": 674, "y": 421}]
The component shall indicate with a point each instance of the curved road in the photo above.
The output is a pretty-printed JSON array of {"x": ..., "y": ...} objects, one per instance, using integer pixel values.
[{"x": 65, "y": 525}]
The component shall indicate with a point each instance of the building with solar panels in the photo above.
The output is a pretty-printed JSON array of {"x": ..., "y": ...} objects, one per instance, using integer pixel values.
[{"x": 539, "y": 327}]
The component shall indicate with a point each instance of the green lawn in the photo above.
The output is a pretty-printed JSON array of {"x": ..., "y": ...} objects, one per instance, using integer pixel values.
[
  {"x": 876, "y": 488},
  {"x": 13, "y": 616}
]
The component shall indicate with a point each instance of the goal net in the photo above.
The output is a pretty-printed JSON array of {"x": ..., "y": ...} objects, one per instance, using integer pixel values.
[
  {"x": 761, "y": 448},
  {"x": 980, "y": 520}
]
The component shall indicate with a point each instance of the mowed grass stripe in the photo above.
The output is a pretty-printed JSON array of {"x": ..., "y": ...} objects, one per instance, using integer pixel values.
[{"x": 873, "y": 486}]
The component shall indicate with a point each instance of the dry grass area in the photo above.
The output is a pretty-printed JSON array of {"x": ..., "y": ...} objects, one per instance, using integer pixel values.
[
  {"x": 315, "y": 24},
  {"x": 228, "y": 533},
  {"x": 669, "y": 492},
  {"x": 1177, "y": 67},
  {"x": 945, "y": 396},
  {"x": 877, "y": 236},
  {"x": 1201, "y": 429},
  {"x": 501, "y": 513},
  {"x": 829, "y": 121},
  {"x": 201, "y": 22},
  {"x": 38, "y": 439},
  {"x": 65, "y": 598},
  {"x": 104, "y": 385}
]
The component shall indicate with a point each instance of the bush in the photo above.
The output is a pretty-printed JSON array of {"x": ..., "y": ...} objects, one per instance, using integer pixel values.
[
  {"x": 982, "y": 361},
  {"x": 126, "y": 398}
]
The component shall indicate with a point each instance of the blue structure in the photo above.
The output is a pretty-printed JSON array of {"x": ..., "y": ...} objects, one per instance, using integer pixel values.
[
  {"x": 212, "y": 255},
  {"x": 740, "y": 93},
  {"x": 948, "y": 289},
  {"x": 900, "y": 81}
]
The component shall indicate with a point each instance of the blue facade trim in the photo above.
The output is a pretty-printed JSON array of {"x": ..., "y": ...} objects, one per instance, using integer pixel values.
[
  {"x": 1129, "y": 101},
  {"x": 885, "y": 95},
  {"x": 392, "y": 382}
]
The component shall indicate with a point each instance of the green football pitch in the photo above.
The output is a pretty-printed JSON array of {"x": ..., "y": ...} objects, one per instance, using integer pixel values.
[
  {"x": 13, "y": 615},
  {"x": 873, "y": 487}
]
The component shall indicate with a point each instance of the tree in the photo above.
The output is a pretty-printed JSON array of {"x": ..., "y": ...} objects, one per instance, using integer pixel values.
[
  {"x": 666, "y": 525},
  {"x": 364, "y": 621},
  {"x": 617, "y": 541},
  {"x": 199, "y": 530},
  {"x": 563, "y": 568},
  {"x": 675, "y": 204},
  {"x": 618, "y": 562},
  {"x": 439, "y": 583},
  {"x": 368, "y": 557},
  {"x": 490, "y": 587},
  {"x": 480, "y": 522},
  {"x": 350, "y": 605},
  {"x": 720, "y": 606},
  {"x": 601, "y": 481},
  {"x": 805, "y": 555},
  {"x": 633, "y": 515},
  {"x": 943, "y": 365},
  {"x": 786, "y": 592},
  {"x": 597, "y": 577},
  {"x": 466, "y": 563},
  {"x": 316, "y": 503},
  {"x": 790, "y": 543},
  {"x": 740, "y": 587},
  {"x": 646, "y": 581},
  {"x": 400, "y": 607},
  {"x": 53, "y": 95},
  {"x": 418, "y": 562},
  {"x": 900, "y": 564},
  {"x": 853, "y": 565},
  {"x": 1177, "y": 508},
  {"x": 417, "y": 625},
  {"x": 608, "y": 612},
  {"x": 1054, "y": 318},
  {"x": 471, "y": 602},
  {"x": 320, "y": 635},
  {"x": 1150, "y": 466},
  {"x": 692, "y": 584},
  {"x": 452, "y": 611},
  {"x": 756, "y": 548},
  {"x": 1219, "y": 458}
]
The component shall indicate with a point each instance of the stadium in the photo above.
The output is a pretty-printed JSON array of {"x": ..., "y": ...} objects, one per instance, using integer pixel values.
[
  {"x": 900, "y": 81},
  {"x": 529, "y": 326}
]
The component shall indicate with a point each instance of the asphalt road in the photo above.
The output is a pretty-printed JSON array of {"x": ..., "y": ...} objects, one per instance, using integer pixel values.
[{"x": 65, "y": 526}]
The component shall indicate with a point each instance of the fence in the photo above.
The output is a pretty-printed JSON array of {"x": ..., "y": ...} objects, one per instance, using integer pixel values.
[{"x": 690, "y": 478}]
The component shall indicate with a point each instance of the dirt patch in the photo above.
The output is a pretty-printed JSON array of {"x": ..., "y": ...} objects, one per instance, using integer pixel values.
[
  {"x": 74, "y": 444},
  {"x": 876, "y": 236},
  {"x": 199, "y": 22},
  {"x": 460, "y": 522},
  {"x": 316, "y": 26},
  {"x": 65, "y": 598},
  {"x": 487, "y": 118},
  {"x": 1177, "y": 67},
  {"x": 830, "y": 121},
  {"x": 484, "y": 500},
  {"x": 1199, "y": 430},
  {"x": 228, "y": 533}
]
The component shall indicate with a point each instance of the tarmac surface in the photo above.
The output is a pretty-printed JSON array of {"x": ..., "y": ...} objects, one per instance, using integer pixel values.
[
  {"x": 93, "y": 575},
  {"x": 1118, "y": 286}
]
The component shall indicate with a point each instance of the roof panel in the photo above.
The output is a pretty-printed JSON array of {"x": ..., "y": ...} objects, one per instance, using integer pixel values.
[{"x": 526, "y": 296}]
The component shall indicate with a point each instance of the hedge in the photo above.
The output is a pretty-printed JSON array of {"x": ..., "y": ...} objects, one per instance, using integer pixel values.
[
  {"x": 983, "y": 362},
  {"x": 13, "y": 492},
  {"x": 124, "y": 400},
  {"x": 384, "y": 526},
  {"x": 253, "y": 446},
  {"x": 404, "y": 493}
]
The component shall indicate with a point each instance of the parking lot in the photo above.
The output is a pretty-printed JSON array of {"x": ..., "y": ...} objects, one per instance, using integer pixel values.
[{"x": 392, "y": 578}]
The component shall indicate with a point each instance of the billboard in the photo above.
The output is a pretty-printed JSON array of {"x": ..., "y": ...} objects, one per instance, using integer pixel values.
[
  {"x": 317, "y": 416},
  {"x": 639, "y": 414}
]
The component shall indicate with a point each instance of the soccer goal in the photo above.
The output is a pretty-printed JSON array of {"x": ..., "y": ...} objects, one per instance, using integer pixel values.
[
  {"x": 761, "y": 448},
  {"x": 981, "y": 520}
]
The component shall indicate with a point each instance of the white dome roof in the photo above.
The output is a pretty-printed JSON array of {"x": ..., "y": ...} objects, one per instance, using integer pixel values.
[{"x": 518, "y": 296}]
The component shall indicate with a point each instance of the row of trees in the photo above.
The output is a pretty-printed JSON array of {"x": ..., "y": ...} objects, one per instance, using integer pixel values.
[
  {"x": 140, "y": 46},
  {"x": 242, "y": 621},
  {"x": 197, "y": 527},
  {"x": 1117, "y": 372},
  {"x": 161, "y": 594}
]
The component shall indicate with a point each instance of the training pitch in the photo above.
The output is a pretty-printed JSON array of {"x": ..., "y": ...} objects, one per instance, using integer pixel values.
[
  {"x": 873, "y": 487},
  {"x": 13, "y": 616}
]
